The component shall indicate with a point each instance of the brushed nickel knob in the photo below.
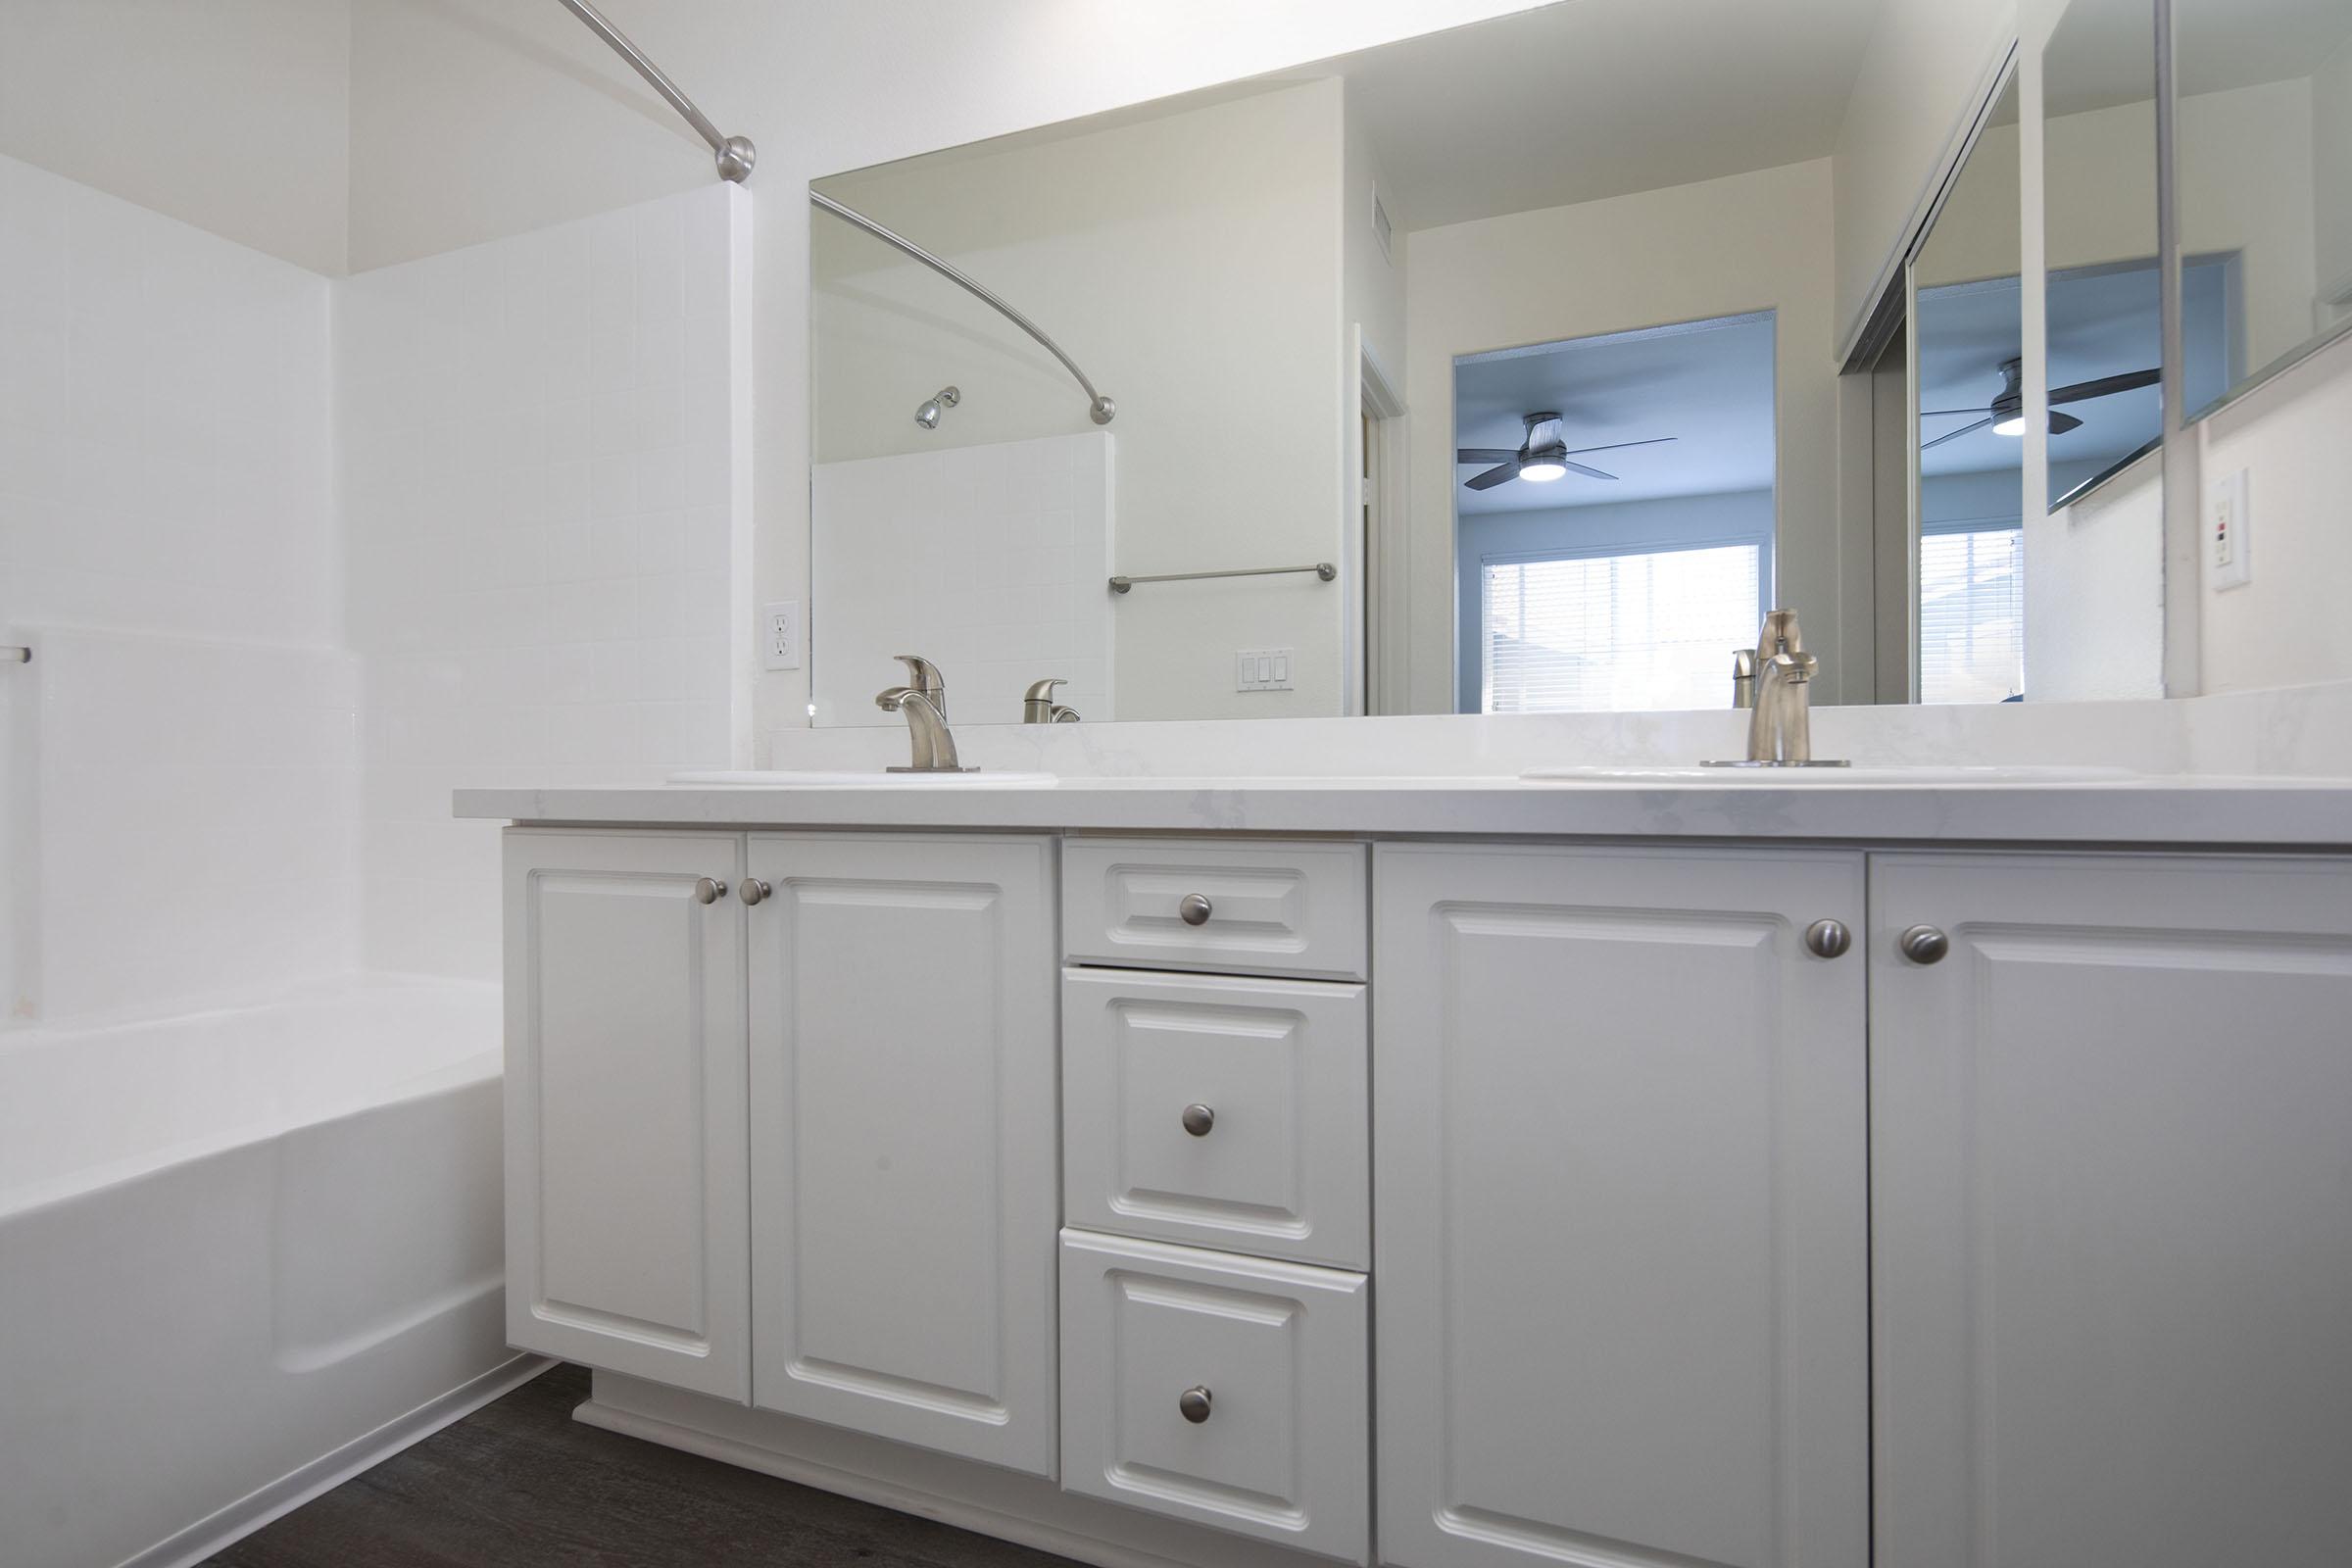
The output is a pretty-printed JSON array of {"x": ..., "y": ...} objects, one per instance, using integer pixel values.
[
  {"x": 1194, "y": 1403},
  {"x": 1924, "y": 943},
  {"x": 709, "y": 889},
  {"x": 751, "y": 890},
  {"x": 1827, "y": 938},
  {"x": 1199, "y": 1119},
  {"x": 1194, "y": 909}
]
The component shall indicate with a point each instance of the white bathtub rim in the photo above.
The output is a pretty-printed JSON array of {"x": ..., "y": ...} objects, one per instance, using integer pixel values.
[
  {"x": 223, "y": 1525},
  {"x": 85, "y": 1181}
]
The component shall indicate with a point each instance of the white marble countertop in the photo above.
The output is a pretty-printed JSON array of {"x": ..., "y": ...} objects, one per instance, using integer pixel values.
[{"x": 2179, "y": 810}]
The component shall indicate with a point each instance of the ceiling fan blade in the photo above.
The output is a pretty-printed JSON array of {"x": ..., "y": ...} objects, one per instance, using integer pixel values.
[
  {"x": 1928, "y": 413},
  {"x": 1590, "y": 474},
  {"x": 1487, "y": 455},
  {"x": 2060, "y": 423},
  {"x": 1954, "y": 435},
  {"x": 1617, "y": 446},
  {"x": 2106, "y": 386},
  {"x": 1494, "y": 477}
]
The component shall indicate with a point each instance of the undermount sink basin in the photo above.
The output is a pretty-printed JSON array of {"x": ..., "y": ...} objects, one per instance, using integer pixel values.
[
  {"x": 1942, "y": 775},
  {"x": 874, "y": 780}
]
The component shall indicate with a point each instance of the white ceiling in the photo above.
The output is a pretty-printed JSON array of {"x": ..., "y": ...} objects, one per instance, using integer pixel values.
[
  {"x": 1709, "y": 387},
  {"x": 1593, "y": 98}
]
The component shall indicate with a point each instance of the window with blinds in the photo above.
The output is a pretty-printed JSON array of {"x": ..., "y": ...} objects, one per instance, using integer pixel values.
[
  {"x": 1654, "y": 629},
  {"x": 1972, "y": 614}
]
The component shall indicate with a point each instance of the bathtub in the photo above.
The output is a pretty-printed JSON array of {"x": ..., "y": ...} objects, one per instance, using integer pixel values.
[{"x": 243, "y": 1254}]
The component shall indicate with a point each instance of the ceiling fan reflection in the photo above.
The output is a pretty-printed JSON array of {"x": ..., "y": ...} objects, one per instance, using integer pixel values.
[
  {"x": 2006, "y": 413},
  {"x": 1542, "y": 458}
]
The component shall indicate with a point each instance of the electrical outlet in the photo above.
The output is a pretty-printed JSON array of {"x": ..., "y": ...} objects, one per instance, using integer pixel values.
[
  {"x": 1262, "y": 669},
  {"x": 780, "y": 635},
  {"x": 2228, "y": 531}
]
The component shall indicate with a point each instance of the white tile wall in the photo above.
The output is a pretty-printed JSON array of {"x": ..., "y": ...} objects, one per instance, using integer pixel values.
[
  {"x": 164, "y": 439},
  {"x": 541, "y": 501},
  {"x": 197, "y": 819},
  {"x": 991, "y": 560},
  {"x": 181, "y": 810}
]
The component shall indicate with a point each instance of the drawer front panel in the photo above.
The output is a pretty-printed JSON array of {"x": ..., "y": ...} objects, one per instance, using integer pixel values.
[
  {"x": 1221, "y": 1390},
  {"x": 1263, "y": 908},
  {"x": 1217, "y": 1110}
]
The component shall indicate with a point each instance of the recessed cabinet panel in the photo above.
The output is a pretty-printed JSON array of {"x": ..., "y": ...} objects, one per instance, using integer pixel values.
[
  {"x": 905, "y": 1192},
  {"x": 1224, "y": 1390},
  {"x": 625, "y": 1106},
  {"x": 1228, "y": 1112},
  {"x": 2112, "y": 1169},
  {"x": 1619, "y": 1208},
  {"x": 1251, "y": 907}
]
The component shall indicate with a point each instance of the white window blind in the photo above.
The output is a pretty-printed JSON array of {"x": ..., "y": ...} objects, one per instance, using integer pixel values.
[
  {"x": 1972, "y": 614},
  {"x": 1654, "y": 629}
]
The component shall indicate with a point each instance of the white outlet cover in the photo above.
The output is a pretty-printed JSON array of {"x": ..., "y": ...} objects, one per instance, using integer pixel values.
[
  {"x": 780, "y": 634},
  {"x": 2228, "y": 531}
]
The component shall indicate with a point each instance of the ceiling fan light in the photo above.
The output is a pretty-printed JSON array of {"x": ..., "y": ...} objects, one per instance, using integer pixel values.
[
  {"x": 2014, "y": 425},
  {"x": 1542, "y": 470}
]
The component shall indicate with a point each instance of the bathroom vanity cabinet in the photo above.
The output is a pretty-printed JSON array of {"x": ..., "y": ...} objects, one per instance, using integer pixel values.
[{"x": 1454, "y": 1204}]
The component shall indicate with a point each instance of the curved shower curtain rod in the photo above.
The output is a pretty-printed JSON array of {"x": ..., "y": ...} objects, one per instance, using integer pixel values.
[
  {"x": 735, "y": 156},
  {"x": 1098, "y": 407}
]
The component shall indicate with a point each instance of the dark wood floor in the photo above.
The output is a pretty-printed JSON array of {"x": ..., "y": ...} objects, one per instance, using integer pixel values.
[{"x": 520, "y": 1484}]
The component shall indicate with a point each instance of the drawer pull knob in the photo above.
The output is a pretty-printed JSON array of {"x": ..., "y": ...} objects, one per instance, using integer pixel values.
[
  {"x": 1199, "y": 1119},
  {"x": 1193, "y": 1404},
  {"x": 1924, "y": 943},
  {"x": 1827, "y": 938},
  {"x": 751, "y": 890},
  {"x": 1194, "y": 909},
  {"x": 709, "y": 889}
]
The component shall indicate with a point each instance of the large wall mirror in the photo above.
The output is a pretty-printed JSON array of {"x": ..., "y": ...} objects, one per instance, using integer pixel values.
[{"x": 1492, "y": 370}]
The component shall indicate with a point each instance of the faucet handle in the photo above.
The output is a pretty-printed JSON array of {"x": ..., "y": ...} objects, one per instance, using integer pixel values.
[
  {"x": 923, "y": 673},
  {"x": 1780, "y": 634}
]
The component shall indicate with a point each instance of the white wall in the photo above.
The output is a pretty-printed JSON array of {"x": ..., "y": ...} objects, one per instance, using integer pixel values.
[
  {"x": 181, "y": 752},
  {"x": 1927, "y": 64},
  {"x": 1722, "y": 247},
  {"x": 540, "y": 444},
  {"x": 2287, "y": 626},
  {"x": 230, "y": 115},
  {"x": 1191, "y": 265}
]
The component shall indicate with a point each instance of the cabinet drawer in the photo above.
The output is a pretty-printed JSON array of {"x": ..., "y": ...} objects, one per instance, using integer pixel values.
[
  {"x": 1226, "y": 1391},
  {"x": 1266, "y": 908},
  {"x": 1223, "y": 1111}
]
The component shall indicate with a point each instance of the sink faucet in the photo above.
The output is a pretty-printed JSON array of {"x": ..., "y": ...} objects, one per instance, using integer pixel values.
[
  {"x": 1038, "y": 705},
  {"x": 1776, "y": 681},
  {"x": 925, "y": 705}
]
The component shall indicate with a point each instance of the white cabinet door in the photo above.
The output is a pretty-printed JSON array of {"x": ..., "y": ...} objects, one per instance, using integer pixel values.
[
  {"x": 1228, "y": 1391},
  {"x": 626, "y": 1244},
  {"x": 1619, "y": 1226},
  {"x": 905, "y": 1179},
  {"x": 2112, "y": 1177}
]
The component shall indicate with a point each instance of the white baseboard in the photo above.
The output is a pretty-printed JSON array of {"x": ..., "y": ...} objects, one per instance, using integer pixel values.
[{"x": 292, "y": 1490}]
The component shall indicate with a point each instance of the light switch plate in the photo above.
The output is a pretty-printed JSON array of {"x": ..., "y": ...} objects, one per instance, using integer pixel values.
[
  {"x": 780, "y": 635},
  {"x": 1262, "y": 669},
  {"x": 2228, "y": 531}
]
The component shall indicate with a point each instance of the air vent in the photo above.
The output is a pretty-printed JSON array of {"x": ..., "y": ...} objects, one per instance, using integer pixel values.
[{"x": 1380, "y": 227}]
